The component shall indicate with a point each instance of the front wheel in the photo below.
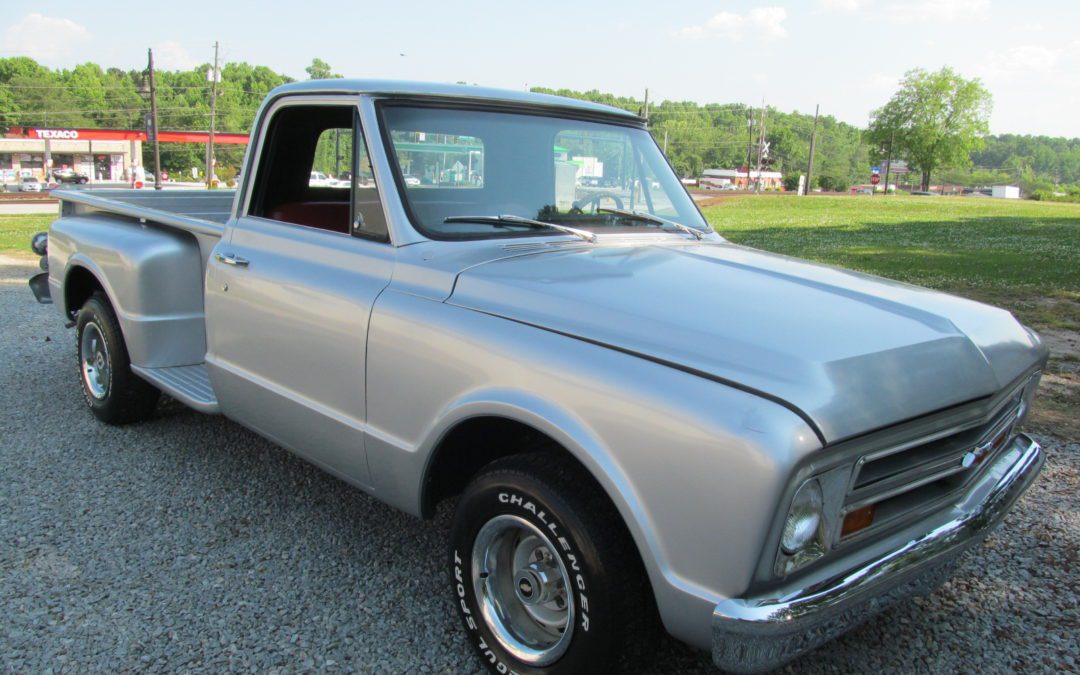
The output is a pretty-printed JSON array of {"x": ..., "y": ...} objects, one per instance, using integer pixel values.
[{"x": 545, "y": 576}]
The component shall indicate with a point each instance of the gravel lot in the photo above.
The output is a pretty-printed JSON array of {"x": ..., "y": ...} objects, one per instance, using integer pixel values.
[{"x": 188, "y": 543}]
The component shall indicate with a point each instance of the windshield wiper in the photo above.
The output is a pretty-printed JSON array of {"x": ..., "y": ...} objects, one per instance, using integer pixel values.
[
  {"x": 507, "y": 219},
  {"x": 650, "y": 218}
]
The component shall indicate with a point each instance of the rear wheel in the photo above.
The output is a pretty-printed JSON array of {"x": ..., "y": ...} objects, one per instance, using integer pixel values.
[
  {"x": 546, "y": 577},
  {"x": 114, "y": 394}
]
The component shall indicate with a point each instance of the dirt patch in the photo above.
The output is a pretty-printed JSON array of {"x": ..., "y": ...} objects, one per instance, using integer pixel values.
[
  {"x": 1057, "y": 406},
  {"x": 1056, "y": 318},
  {"x": 1063, "y": 344}
]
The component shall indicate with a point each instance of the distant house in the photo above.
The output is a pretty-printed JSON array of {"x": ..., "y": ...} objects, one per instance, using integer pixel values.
[
  {"x": 740, "y": 179},
  {"x": 1005, "y": 192}
]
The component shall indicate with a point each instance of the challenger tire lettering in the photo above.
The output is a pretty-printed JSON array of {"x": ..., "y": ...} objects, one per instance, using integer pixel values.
[
  {"x": 538, "y": 496},
  {"x": 516, "y": 500},
  {"x": 525, "y": 504}
]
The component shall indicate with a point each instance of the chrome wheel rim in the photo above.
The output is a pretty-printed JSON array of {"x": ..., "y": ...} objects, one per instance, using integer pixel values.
[
  {"x": 96, "y": 366},
  {"x": 523, "y": 590}
]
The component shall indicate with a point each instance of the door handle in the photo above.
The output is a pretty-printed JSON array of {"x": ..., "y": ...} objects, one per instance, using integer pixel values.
[{"x": 231, "y": 259}]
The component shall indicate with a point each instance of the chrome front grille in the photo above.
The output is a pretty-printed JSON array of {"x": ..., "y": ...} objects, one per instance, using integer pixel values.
[{"x": 911, "y": 478}]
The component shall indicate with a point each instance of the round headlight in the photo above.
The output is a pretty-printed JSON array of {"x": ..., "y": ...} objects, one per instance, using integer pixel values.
[{"x": 804, "y": 518}]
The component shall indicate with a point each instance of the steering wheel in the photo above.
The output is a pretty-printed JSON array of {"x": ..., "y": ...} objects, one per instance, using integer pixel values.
[{"x": 578, "y": 207}]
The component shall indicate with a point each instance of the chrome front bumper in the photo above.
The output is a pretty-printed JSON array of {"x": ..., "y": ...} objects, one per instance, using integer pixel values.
[{"x": 761, "y": 633}]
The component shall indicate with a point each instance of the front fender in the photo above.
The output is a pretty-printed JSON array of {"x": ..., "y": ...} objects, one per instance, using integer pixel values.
[{"x": 694, "y": 468}]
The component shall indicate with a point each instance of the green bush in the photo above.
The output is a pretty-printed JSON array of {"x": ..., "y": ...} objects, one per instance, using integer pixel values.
[
  {"x": 1072, "y": 195},
  {"x": 226, "y": 174},
  {"x": 791, "y": 182}
]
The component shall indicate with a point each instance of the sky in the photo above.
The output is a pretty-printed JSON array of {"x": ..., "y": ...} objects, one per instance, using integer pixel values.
[{"x": 846, "y": 55}]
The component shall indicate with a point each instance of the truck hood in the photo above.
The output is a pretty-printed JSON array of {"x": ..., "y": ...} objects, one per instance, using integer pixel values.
[{"x": 848, "y": 351}]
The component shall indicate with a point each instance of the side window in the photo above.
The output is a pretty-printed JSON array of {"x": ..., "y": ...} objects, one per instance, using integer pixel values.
[
  {"x": 332, "y": 164},
  {"x": 437, "y": 160},
  {"x": 591, "y": 166},
  {"x": 306, "y": 175},
  {"x": 603, "y": 168},
  {"x": 649, "y": 192}
]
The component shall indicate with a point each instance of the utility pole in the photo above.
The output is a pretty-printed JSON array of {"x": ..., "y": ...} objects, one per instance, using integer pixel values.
[
  {"x": 665, "y": 142},
  {"x": 48, "y": 150},
  {"x": 749, "y": 143},
  {"x": 761, "y": 142},
  {"x": 888, "y": 161},
  {"x": 214, "y": 76},
  {"x": 813, "y": 139},
  {"x": 337, "y": 154},
  {"x": 154, "y": 121}
]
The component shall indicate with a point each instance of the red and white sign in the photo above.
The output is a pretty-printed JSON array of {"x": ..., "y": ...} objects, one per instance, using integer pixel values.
[
  {"x": 875, "y": 179},
  {"x": 124, "y": 135},
  {"x": 57, "y": 134}
]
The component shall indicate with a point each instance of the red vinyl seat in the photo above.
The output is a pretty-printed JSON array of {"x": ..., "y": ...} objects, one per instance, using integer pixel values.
[{"x": 333, "y": 216}]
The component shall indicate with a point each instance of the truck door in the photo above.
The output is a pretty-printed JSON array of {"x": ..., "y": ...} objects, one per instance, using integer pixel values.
[{"x": 291, "y": 285}]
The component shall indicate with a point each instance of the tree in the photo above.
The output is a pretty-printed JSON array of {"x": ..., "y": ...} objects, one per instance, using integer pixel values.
[
  {"x": 936, "y": 120},
  {"x": 320, "y": 70}
]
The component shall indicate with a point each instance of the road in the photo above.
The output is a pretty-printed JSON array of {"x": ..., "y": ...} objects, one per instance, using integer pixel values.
[
  {"x": 187, "y": 543},
  {"x": 21, "y": 207}
]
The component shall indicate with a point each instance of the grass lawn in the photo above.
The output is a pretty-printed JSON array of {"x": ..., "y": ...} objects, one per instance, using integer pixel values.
[
  {"x": 1021, "y": 255},
  {"x": 16, "y": 230}
]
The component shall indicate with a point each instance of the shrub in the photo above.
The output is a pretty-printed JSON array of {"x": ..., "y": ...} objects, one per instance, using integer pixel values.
[
  {"x": 1073, "y": 195},
  {"x": 226, "y": 174}
]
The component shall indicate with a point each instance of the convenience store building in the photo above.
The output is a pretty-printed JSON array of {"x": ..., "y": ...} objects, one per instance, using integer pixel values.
[{"x": 101, "y": 154}]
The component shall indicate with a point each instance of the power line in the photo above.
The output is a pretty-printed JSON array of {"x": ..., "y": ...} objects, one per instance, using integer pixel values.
[
  {"x": 98, "y": 110},
  {"x": 72, "y": 86},
  {"x": 675, "y": 141}
]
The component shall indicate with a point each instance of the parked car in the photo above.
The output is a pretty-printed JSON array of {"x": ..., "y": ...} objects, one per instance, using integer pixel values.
[
  {"x": 643, "y": 424},
  {"x": 70, "y": 176},
  {"x": 29, "y": 184},
  {"x": 410, "y": 181},
  {"x": 320, "y": 179}
]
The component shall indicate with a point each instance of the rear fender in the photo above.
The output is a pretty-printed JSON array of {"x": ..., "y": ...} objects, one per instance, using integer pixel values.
[{"x": 153, "y": 278}]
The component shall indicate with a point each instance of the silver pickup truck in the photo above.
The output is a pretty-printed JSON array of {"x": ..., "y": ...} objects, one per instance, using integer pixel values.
[{"x": 511, "y": 301}]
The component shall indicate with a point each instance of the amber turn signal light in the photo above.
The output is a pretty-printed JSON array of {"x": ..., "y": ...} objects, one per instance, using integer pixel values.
[{"x": 857, "y": 520}]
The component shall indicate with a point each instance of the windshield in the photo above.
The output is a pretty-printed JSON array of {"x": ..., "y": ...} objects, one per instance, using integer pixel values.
[{"x": 455, "y": 164}]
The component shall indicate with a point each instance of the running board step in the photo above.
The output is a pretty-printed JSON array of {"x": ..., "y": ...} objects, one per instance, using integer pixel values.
[{"x": 188, "y": 384}]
